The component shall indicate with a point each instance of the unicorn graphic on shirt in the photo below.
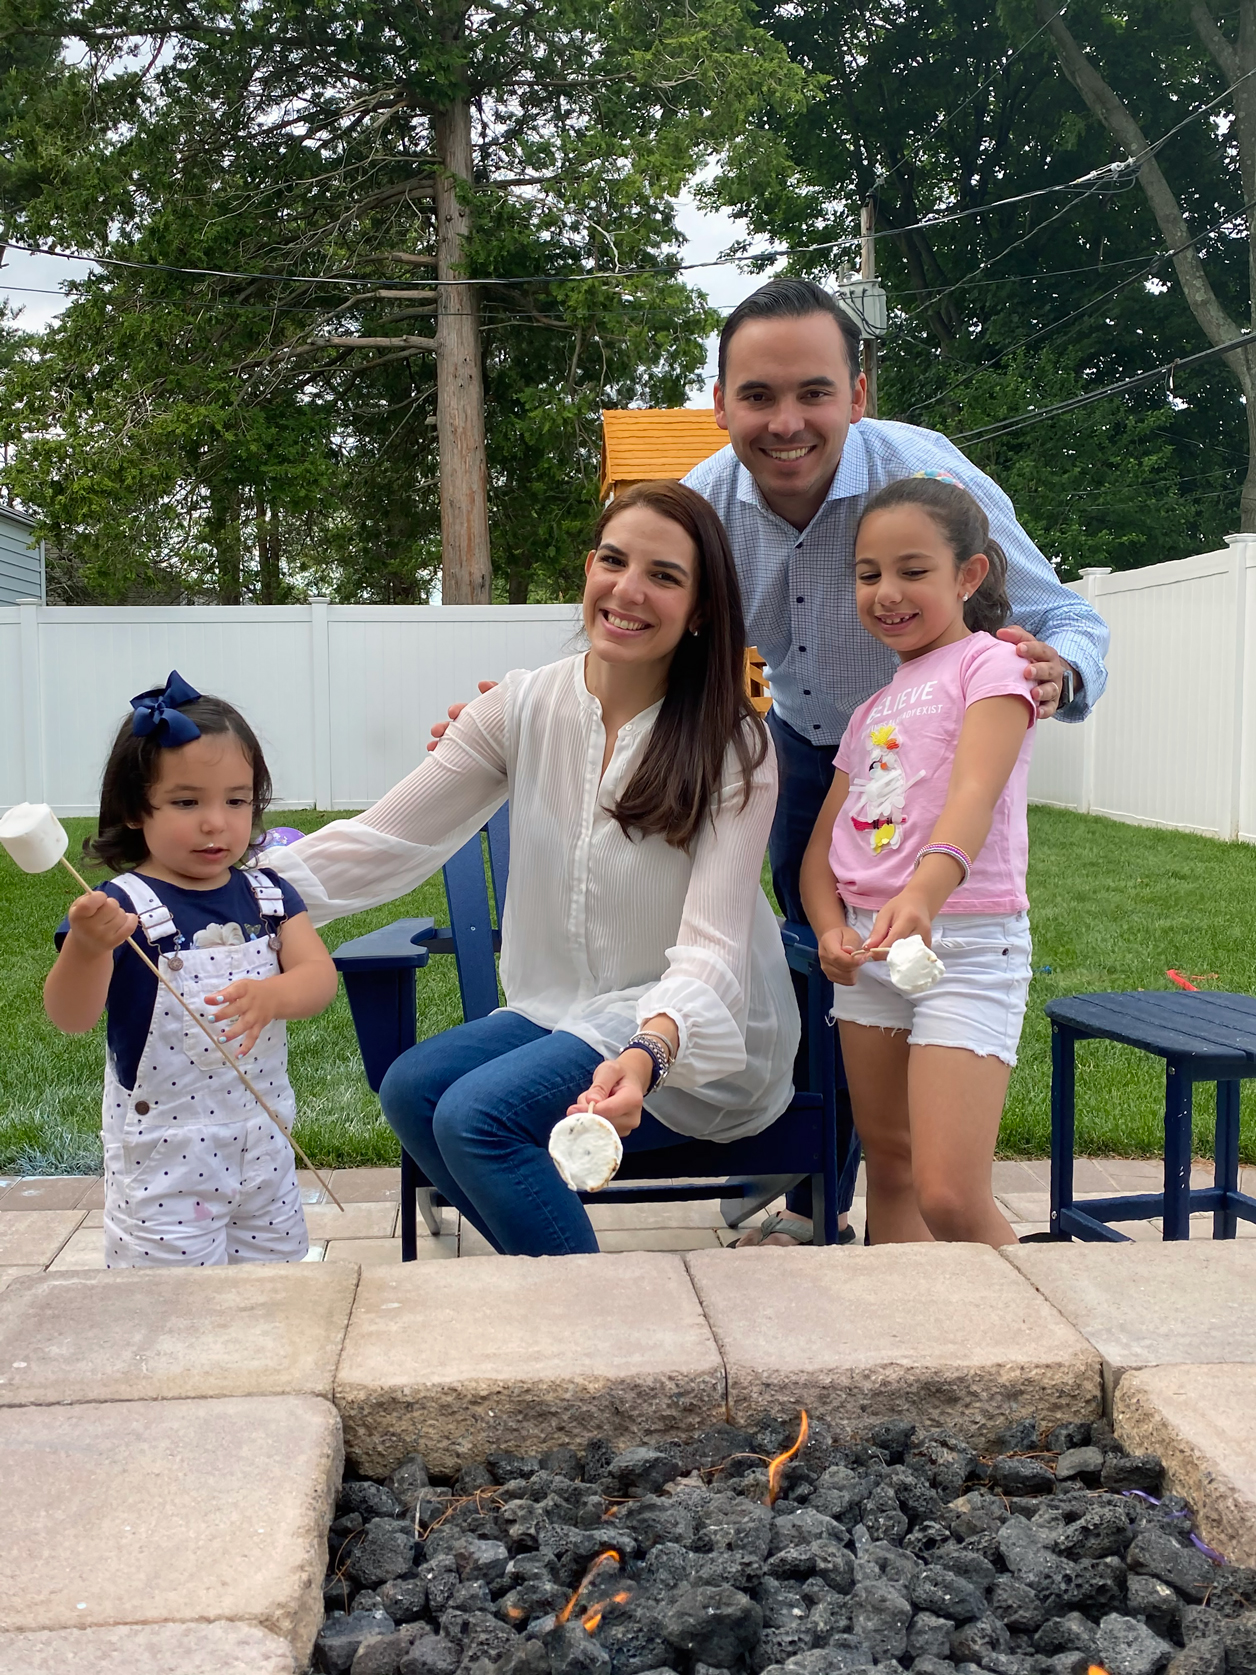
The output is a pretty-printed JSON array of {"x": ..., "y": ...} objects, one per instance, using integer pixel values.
[{"x": 882, "y": 795}]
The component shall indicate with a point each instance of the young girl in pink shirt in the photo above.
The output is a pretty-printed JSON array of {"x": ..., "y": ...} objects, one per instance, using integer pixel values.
[{"x": 924, "y": 834}]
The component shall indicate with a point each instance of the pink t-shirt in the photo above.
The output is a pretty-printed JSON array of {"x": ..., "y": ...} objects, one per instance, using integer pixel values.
[{"x": 898, "y": 752}]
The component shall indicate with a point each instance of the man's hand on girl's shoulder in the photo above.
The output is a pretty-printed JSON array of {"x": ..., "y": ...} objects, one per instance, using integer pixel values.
[
  {"x": 100, "y": 923},
  {"x": 1043, "y": 665},
  {"x": 440, "y": 728}
]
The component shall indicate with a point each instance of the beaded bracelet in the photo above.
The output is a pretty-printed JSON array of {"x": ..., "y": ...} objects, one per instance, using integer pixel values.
[
  {"x": 956, "y": 854},
  {"x": 661, "y": 1055}
]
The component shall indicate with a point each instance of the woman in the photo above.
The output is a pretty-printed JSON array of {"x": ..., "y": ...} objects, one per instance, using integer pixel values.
[{"x": 642, "y": 965}]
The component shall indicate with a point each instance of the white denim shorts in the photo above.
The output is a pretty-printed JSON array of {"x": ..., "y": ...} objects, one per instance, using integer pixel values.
[{"x": 978, "y": 1005}]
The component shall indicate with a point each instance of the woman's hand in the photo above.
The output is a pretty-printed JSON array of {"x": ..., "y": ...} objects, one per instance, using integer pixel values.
[
  {"x": 99, "y": 923},
  {"x": 906, "y": 914},
  {"x": 841, "y": 955},
  {"x": 248, "y": 1005},
  {"x": 617, "y": 1089}
]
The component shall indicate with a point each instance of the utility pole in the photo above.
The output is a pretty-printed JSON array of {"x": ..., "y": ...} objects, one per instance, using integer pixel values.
[
  {"x": 466, "y": 561},
  {"x": 868, "y": 270}
]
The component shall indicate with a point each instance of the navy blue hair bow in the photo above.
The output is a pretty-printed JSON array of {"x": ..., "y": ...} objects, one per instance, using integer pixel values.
[{"x": 158, "y": 712}]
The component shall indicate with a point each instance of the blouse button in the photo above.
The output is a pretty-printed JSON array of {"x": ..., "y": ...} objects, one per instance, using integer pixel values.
[{"x": 141, "y": 1107}]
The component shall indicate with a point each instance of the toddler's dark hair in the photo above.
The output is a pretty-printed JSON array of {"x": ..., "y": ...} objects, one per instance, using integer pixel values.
[
  {"x": 135, "y": 763},
  {"x": 967, "y": 530}
]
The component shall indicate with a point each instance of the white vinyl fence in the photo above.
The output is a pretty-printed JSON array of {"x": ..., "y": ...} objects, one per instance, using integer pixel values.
[
  {"x": 1173, "y": 740},
  {"x": 343, "y": 695}
]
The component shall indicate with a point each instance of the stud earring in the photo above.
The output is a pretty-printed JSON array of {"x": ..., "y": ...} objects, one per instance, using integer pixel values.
[{"x": 965, "y": 598}]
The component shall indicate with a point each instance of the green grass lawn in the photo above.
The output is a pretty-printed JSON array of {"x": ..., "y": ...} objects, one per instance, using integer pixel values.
[{"x": 1113, "y": 906}]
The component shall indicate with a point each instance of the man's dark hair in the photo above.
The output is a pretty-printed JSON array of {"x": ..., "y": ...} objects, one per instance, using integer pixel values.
[{"x": 792, "y": 299}]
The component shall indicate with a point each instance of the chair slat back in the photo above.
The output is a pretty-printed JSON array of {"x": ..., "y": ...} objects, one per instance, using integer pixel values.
[{"x": 470, "y": 923}]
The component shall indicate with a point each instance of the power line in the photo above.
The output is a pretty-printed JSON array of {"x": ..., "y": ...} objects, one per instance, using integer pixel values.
[{"x": 1001, "y": 427}]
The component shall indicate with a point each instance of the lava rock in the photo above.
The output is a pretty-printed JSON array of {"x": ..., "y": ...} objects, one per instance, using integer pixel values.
[
  {"x": 573, "y": 1652},
  {"x": 408, "y": 1481},
  {"x": 733, "y": 1523},
  {"x": 726, "y": 1570},
  {"x": 1128, "y": 1647},
  {"x": 1101, "y": 1530},
  {"x": 834, "y": 1566},
  {"x": 880, "y": 1615},
  {"x": 1156, "y": 1603},
  {"x": 506, "y": 1467},
  {"x": 1079, "y": 1465},
  {"x": 385, "y": 1550},
  {"x": 473, "y": 1477},
  {"x": 521, "y": 1522},
  {"x": 803, "y": 1527},
  {"x": 1016, "y": 1476},
  {"x": 714, "y": 1625},
  {"x": 975, "y": 1514},
  {"x": 1233, "y": 1592},
  {"x": 368, "y": 1600},
  {"x": 1073, "y": 1433},
  {"x": 1133, "y": 1471},
  {"x": 655, "y": 1519},
  {"x": 780, "y": 1645},
  {"x": 793, "y": 1563},
  {"x": 468, "y": 1597},
  {"x": 974, "y": 1567},
  {"x": 642, "y": 1471},
  {"x": 1020, "y": 1437},
  {"x": 480, "y": 1561},
  {"x": 530, "y": 1600},
  {"x": 634, "y": 1639},
  {"x": 930, "y": 1665},
  {"x": 926, "y": 1538},
  {"x": 1202, "y": 1657},
  {"x": 380, "y": 1654},
  {"x": 1017, "y": 1607},
  {"x": 830, "y": 1617},
  {"x": 440, "y": 1577},
  {"x": 404, "y": 1598},
  {"x": 944, "y": 1594},
  {"x": 371, "y": 1500},
  {"x": 929, "y": 1637},
  {"x": 1098, "y": 1586},
  {"x": 830, "y": 1660},
  {"x": 973, "y": 1642},
  {"x": 1155, "y": 1553},
  {"x": 783, "y": 1605},
  {"x": 339, "y": 1639},
  {"x": 1070, "y": 1633},
  {"x": 1239, "y": 1635},
  {"x": 892, "y": 1439},
  {"x": 882, "y": 1517}
]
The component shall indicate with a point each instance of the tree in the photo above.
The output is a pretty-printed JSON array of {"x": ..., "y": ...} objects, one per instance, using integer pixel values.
[
  {"x": 366, "y": 150},
  {"x": 949, "y": 114},
  {"x": 1236, "y": 62}
]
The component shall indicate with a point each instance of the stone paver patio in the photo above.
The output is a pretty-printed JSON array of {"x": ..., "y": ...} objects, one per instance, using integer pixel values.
[{"x": 55, "y": 1222}]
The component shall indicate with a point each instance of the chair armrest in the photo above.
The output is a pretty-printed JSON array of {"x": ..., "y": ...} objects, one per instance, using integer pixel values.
[
  {"x": 395, "y": 947},
  {"x": 800, "y": 948}
]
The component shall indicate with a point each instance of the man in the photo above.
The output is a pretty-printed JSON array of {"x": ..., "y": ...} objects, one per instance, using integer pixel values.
[{"x": 802, "y": 463}]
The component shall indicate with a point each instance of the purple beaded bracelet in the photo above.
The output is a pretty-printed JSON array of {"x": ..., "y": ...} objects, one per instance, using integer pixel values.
[{"x": 954, "y": 851}]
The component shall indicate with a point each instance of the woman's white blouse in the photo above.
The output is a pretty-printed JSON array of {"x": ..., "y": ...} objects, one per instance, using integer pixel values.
[{"x": 599, "y": 932}]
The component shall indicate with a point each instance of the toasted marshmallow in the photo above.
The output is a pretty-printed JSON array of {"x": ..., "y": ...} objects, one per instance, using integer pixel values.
[
  {"x": 586, "y": 1151},
  {"x": 913, "y": 966}
]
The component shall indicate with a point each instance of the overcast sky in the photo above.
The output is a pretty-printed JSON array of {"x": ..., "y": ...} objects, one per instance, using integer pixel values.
[{"x": 33, "y": 283}]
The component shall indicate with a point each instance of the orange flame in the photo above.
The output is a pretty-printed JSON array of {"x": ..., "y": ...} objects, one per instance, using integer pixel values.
[
  {"x": 602, "y": 1560},
  {"x": 593, "y": 1616},
  {"x": 777, "y": 1466},
  {"x": 1096, "y": 1669}
]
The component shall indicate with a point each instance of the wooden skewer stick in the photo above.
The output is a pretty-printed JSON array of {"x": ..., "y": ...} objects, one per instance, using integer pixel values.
[{"x": 161, "y": 977}]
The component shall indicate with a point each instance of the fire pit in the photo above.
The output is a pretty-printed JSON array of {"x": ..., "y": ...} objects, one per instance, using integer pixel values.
[{"x": 784, "y": 1550}]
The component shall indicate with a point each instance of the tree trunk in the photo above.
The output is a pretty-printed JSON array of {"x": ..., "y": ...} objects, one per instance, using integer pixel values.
[
  {"x": 267, "y": 554},
  {"x": 224, "y": 534},
  {"x": 1213, "y": 319},
  {"x": 520, "y": 575},
  {"x": 467, "y": 564}
]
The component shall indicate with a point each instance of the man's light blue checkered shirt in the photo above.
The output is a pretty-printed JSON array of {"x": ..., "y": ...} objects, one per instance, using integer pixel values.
[{"x": 798, "y": 587}]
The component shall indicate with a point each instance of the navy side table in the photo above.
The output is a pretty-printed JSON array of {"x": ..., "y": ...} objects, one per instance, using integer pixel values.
[{"x": 1202, "y": 1038}]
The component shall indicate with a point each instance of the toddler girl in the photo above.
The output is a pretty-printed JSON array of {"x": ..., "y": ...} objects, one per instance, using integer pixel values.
[
  {"x": 924, "y": 833},
  {"x": 195, "y": 1172}
]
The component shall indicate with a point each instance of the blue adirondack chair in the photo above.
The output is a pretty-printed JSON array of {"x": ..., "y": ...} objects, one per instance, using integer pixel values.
[{"x": 378, "y": 971}]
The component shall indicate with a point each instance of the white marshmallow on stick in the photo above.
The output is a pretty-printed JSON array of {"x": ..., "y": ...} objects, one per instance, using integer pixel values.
[
  {"x": 36, "y": 840},
  {"x": 914, "y": 967},
  {"x": 586, "y": 1151}
]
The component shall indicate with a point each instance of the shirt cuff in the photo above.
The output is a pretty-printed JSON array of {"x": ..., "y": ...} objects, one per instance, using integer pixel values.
[{"x": 1078, "y": 651}]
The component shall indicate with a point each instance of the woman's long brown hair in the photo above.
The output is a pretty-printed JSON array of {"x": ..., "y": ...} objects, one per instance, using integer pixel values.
[{"x": 677, "y": 782}]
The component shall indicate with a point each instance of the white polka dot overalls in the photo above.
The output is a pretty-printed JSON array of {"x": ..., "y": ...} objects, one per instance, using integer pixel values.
[{"x": 196, "y": 1173}]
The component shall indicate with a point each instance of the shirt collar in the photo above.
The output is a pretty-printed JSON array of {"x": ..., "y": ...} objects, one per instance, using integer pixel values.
[
  {"x": 849, "y": 480},
  {"x": 643, "y": 719}
]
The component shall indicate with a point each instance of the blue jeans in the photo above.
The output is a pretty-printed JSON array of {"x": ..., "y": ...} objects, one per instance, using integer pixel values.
[
  {"x": 474, "y": 1107},
  {"x": 806, "y": 772}
]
